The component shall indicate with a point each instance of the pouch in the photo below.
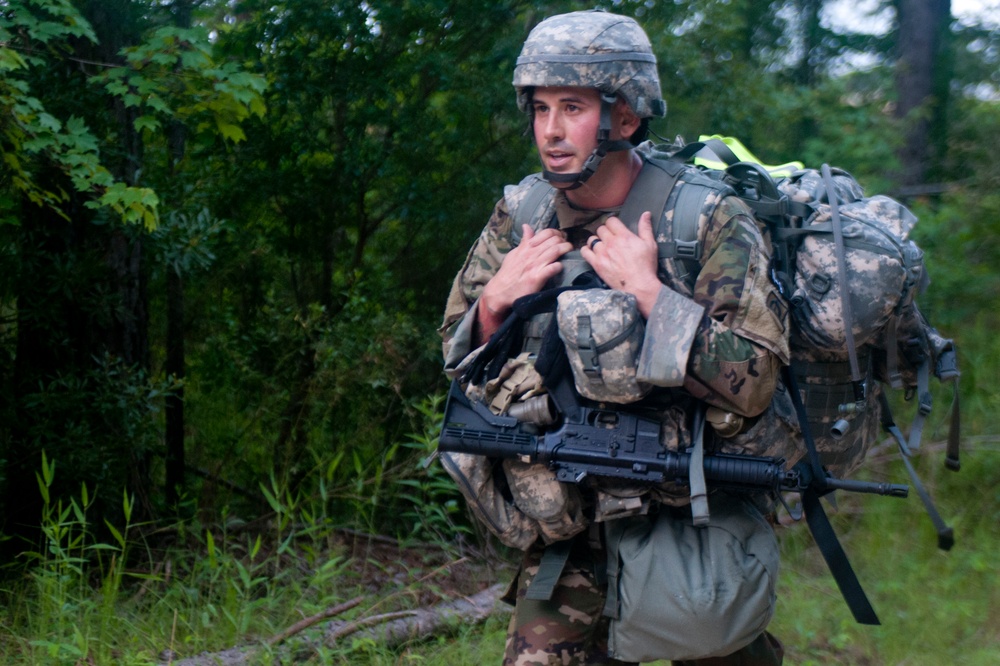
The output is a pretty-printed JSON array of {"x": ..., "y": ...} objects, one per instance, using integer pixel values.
[
  {"x": 679, "y": 592},
  {"x": 602, "y": 331}
]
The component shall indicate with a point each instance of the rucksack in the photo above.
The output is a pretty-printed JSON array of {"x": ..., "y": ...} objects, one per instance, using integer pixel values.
[{"x": 841, "y": 369}]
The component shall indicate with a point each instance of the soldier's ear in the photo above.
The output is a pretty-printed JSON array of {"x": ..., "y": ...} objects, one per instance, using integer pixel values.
[{"x": 625, "y": 120}]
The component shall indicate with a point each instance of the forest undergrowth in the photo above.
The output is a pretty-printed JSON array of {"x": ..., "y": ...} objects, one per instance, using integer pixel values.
[{"x": 162, "y": 594}]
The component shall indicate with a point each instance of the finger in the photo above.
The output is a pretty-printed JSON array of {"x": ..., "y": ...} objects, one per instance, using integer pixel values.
[
  {"x": 527, "y": 233},
  {"x": 554, "y": 251},
  {"x": 614, "y": 226},
  {"x": 646, "y": 227}
]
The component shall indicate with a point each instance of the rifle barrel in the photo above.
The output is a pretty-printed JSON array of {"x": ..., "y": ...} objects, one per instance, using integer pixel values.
[{"x": 874, "y": 488}]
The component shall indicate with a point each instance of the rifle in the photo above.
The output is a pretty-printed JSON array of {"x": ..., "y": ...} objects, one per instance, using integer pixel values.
[{"x": 595, "y": 441}]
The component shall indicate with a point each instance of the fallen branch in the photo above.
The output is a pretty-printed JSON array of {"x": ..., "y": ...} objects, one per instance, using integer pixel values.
[
  {"x": 388, "y": 629},
  {"x": 423, "y": 622},
  {"x": 307, "y": 622},
  {"x": 338, "y": 631}
]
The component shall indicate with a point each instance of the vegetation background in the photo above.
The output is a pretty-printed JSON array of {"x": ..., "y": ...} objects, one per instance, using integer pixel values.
[{"x": 227, "y": 228}]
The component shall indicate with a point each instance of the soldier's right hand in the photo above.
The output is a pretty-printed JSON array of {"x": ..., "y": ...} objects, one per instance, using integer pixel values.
[{"x": 525, "y": 270}]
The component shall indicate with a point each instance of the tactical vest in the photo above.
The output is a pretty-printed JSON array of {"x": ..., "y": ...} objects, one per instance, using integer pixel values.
[{"x": 683, "y": 200}]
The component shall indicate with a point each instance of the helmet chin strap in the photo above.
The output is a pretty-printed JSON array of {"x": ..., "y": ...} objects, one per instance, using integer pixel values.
[{"x": 604, "y": 146}]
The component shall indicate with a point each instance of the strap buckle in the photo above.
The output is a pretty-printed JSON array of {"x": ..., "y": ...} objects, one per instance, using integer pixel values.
[{"x": 687, "y": 249}]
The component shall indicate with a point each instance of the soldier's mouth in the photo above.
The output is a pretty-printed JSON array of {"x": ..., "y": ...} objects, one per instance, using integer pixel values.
[{"x": 558, "y": 160}]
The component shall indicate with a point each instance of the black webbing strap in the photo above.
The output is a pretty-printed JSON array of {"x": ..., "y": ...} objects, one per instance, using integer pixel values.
[
  {"x": 550, "y": 570},
  {"x": 836, "y": 559},
  {"x": 819, "y": 523},
  {"x": 951, "y": 460},
  {"x": 713, "y": 147},
  {"x": 893, "y": 375},
  {"x": 947, "y": 371},
  {"x": 696, "y": 472},
  {"x": 924, "y": 404},
  {"x": 946, "y": 536}
]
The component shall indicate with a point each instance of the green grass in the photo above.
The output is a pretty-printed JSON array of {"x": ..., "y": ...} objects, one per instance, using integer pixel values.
[
  {"x": 225, "y": 590},
  {"x": 936, "y": 607}
]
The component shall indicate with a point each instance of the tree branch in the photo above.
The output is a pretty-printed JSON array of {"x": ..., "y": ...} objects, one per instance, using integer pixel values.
[{"x": 305, "y": 623}]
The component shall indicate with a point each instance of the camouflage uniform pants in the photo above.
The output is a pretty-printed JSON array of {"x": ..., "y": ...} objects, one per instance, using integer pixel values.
[{"x": 570, "y": 630}]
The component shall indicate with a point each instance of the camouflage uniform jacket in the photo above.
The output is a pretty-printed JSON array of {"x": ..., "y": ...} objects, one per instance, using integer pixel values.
[{"x": 726, "y": 330}]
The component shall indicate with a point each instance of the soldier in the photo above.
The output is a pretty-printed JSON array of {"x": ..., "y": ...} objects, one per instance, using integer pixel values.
[{"x": 589, "y": 84}]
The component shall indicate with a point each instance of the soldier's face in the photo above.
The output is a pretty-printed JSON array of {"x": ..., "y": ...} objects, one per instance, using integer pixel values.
[{"x": 565, "y": 124}]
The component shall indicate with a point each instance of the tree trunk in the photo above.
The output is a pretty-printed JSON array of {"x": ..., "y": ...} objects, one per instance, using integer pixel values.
[
  {"x": 174, "y": 402},
  {"x": 175, "y": 362},
  {"x": 48, "y": 345},
  {"x": 922, "y": 79},
  {"x": 811, "y": 35}
]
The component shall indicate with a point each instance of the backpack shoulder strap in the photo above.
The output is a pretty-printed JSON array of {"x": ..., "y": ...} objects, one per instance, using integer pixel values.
[
  {"x": 687, "y": 213},
  {"x": 656, "y": 189},
  {"x": 531, "y": 202},
  {"x": 650, "y": 191}
]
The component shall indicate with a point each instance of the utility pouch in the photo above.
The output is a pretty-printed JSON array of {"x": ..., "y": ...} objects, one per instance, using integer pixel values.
[
  {"x": 555, "y": 507},
  {"x": 602, "y": 331},
  {"x": 775, "y": 433},
  {"x": 680, "y": 592}
]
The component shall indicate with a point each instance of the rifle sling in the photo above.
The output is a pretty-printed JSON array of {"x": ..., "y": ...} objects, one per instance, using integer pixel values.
[
  {"x": 836, "y": 558},
  {"x": 819, "y": 524},
  {"x": 696, "y": 472}
]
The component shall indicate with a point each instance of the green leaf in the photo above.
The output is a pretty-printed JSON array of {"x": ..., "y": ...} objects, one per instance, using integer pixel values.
[
  {"x": 230, "y": 131},
  {"x": 115, "y": 533},
  {"x": 210, "y": 545},
  {"x": 272, "y": 500},
  {"x": 146, "y": 123},
  {"x": 42, "y": 488}
]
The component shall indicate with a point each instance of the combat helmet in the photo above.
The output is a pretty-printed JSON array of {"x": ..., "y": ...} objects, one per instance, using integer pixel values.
[{"x": 591, "y": 49}]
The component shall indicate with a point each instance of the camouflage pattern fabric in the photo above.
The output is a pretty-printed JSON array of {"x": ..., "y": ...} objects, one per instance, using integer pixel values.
[
  {"x": 742, "y": 343},
  {"x": 883, "y": 270},
  {"x": 602, "y": 331},
  {"x": 916, "y": 341},
  {"x": 568, "y": 629},
  {"x": 776, "y": 433},
  {"x": 555, "y": 507},
  {"x": 808, "y": 185},
  {"x": 883, "y": 273},
  {"x": 475, "y": 479},
  {"x": 591, "y": 49},
  {"x": 741, "y": 340}
]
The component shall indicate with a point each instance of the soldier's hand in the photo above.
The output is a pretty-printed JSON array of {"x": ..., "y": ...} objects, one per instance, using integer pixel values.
[
  {"x": 525, "y": 270},
  {"x": 626, "y": 261}
]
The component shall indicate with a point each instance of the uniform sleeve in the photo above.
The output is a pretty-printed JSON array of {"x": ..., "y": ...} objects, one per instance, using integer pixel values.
[
  {"x": 730, "y": 338},
  {"x": 458, "y": 329}
]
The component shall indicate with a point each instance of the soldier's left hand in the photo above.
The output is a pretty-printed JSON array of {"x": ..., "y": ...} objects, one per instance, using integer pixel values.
[{"x": 626, "y": 261}]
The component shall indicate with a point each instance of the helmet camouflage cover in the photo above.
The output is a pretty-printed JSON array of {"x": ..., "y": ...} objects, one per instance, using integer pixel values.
[{"x": 591, "y": 49}]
